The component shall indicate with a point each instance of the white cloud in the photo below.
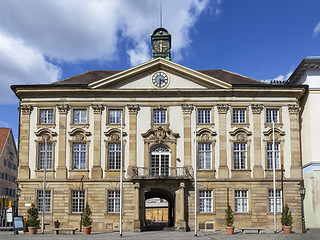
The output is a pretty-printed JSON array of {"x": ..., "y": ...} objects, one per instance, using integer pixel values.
[
  {"x": 316, "y": 29},
  {"x": 21, "y": 64},
  {"x": 36, "y": 33},
  {"x": 279, "y": 77}
]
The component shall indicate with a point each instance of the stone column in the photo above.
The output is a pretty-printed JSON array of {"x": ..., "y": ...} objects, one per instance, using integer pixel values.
[
  {"x": 133, "y": 112},
  {"x": 187, "y": 110},
  {"x": 137, "y": 207},
  {"x": 180, "y": 208},
  {"x": 223, "y": 171},
  {"x": 61, "y": 168},
  {"x": 295, "y": 170},
  {"x": 257, "y": 167},
  {"x": 96, "y": 171},
  {"x": 24, "y": 170}
]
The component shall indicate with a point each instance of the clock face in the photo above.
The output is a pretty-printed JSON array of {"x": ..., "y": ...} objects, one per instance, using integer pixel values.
[
  {"x": 160, "y": 80},
  {"x": 161, "y": 46}
]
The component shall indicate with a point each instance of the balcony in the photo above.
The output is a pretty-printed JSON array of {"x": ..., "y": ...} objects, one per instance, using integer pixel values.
[{"x": 162, "y": 173}]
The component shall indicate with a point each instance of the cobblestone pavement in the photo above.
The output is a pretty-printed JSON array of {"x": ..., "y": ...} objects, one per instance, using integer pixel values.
[{"x": 153, "y": 235}]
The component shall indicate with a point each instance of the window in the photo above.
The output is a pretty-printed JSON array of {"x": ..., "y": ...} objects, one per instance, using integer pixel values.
[
  {"x": 278, "y": 201},
  {"x": 79, "y": 156},
  {"x": 114, "y": 201},
  {"x": 115, "y": 116},
  {"x": 77, "y": 201},
  {"x": 240, "y": 155},
  {"x": 159, "y": 116},
  {"x": 114, "y": 156},
  {"x": 204, "y": 116},
  {"x": 205, "y": 201},
  {"x": 11, "y": 156},
  {"x": 204, "y": 156},
  {"x": 46, "y": 116},
  {"x": 47, "y": 201},
  {"x": 80, "y": 116},
  {"x": 241, "y": 200},
  {"x": 239, "y": 115},
  {"x": 276, "y": 155},
  {"x": 43, "y": 155},
  {"x": 272, "y": 114}
]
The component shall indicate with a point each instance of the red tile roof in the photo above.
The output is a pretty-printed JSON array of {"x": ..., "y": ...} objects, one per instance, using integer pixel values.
[{"x": 4, "y": 133}]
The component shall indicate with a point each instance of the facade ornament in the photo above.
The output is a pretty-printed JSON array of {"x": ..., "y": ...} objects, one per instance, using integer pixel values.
[
  {"x": 97, "y": 108},
  {"x": 294, "y": 109},
  {"x": 114, "y": 135},
  {"x": 133, "y": 109},
  {"x": 206, "y": 135},
  {"x": 160, "y": 135},
  {"x": 26, "y": 109},
  {"x": 256, "y": 108},
  {"x": 222, "y": 108},
  {"x": 187, "y": 108},
  {"x": 63, "y": 108}
]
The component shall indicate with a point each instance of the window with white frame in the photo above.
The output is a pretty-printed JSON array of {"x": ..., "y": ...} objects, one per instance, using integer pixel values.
[
  {"x": 47, "y": 201},
  {"x": 114, "y": 156},
  {"x": 204, "y": 156},
  {"x": 115, "y": 116},
  {"x": 77, "y": 201},
  {"x": 114, "y": 201},
  {"x": 239, "y": 116},
  {"x": 276, "y": 155},
  {"x": 278, "y": 201},
  {"x": 80, "y": 116},
  {"x": 204, "y": 116},
  {"x": 272, "y": 114},
  {"x": 45, "y": 157},
  {"x": 46, "y": 116},
  {"x": 241, "y": 200},
  {"x": 205, "y": 201},
  {"x": 159, "y": 116},
  {"x": 79, "y": 156},
  {"x": 240, "y": 155}
]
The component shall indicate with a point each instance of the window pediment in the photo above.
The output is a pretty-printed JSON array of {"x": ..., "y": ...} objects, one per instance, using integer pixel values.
[
  {"x": 114, "y": 135},
  {"x": 160, "y": 135},
  {"x": 277, "y": 135},
  {"x": 45, "y": 131},
  {"x": 205, "y": 135},
  {"x": 240, "y": 135},
  {"x": 79, "y": 135}
]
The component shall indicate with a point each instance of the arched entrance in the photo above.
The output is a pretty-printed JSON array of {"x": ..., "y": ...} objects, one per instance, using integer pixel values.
[
  {"x": 169, "y": 198},
  {"x": 159, "y": 161}
]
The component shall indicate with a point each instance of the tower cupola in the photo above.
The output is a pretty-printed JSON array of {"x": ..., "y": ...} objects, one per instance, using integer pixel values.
[{"x": 161, "y": 44}]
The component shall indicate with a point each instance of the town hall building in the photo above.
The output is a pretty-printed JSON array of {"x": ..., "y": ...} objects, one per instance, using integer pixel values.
[{"x": 175, "y": 121}]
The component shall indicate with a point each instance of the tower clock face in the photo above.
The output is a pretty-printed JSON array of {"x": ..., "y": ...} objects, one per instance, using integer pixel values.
[
  {"x": 161, "y": 46},
  {"x": 160, "y": 80}
]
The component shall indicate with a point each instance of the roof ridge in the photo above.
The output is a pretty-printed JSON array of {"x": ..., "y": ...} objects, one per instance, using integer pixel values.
[
  {"x": 239, "y": 74},
  {"x": 7, "y": 136},
  {"x": 80, "y": 74}
]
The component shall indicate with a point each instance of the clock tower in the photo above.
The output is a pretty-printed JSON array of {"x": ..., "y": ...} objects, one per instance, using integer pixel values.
[{"x": 161, "y": 44}]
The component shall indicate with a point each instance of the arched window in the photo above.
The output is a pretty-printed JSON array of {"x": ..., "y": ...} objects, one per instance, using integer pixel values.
[{"x": 159, "y": 161}]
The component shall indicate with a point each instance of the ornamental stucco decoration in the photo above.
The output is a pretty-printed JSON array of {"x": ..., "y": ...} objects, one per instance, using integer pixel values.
[
  {"x": 79, "y": 134},
  {"x": 160, "y": 135},
  {"x": 63, "y": 108},
  {"x": 256, "y": 108},
  {"x": 26, "y": 109},
  {"x": 240, "y": 135},
  {"x": 97, "y": 108},
  {"x": 277, "y": 135},
  {"x": 222, "y": 108},
  {"x": 187, "y": 108},
  {"x": 205, "y": 135},
  {"x": 133, "y": 109},
  {"x": 114, "y": 135},
  {"x": 46, "y": 132},
  {"x": 294, "y": 108}
]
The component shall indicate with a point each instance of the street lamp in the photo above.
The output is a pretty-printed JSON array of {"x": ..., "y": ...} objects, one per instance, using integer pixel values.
[
  {"x": 18, "y": 191},
  {"x": 302, "y": 192}
]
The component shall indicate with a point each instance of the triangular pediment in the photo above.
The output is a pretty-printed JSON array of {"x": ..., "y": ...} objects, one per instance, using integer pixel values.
[{"x": 139, "y": 77}]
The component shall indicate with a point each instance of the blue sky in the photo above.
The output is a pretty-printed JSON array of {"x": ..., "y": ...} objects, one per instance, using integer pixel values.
[{"x": 44, "y": 41}]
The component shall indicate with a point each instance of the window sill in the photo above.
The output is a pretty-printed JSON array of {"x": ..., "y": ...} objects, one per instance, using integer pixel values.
[
  {"x": 275, "y": 124},
  {"x": 239, "y": 125},
  {"x": 206, "y": 213},
  {"x": 78, "y": 170},
  {"x": 278, "y": 213},
  {"x": 51, "y": 125},
  {"x": 42, "y": 170},
  {"x": 79, "y": 125},
  {"x": 242, "y": 213}
]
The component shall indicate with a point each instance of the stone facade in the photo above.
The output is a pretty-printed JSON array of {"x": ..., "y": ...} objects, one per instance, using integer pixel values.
[{"x": 160, "y": 154}]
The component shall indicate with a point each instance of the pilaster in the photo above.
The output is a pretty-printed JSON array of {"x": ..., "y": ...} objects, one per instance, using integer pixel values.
[
  {"x": 180, "y": 208},
  {"x": 96, "y": 171},
  {"x": 24, "y": 170},
  {"x": 61, "y": 168},
  {"x": 133, "y": 112},
  {"x": 137, "y": 225},
  {"x": 295, "y": 170},
  {"x": 257, "y": 167},
  {"x": 223, "y": 171},
  {"x": 187, "y": 110}
]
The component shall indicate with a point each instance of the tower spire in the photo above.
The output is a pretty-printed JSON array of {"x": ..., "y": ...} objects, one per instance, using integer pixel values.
[{"x": 160, "y": 14}]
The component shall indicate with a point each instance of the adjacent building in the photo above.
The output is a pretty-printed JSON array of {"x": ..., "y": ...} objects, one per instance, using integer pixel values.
[
  {"x": 308, "y": 72},
  {"x": 175, "y": 121},
  {"x": 9, "y": 165}
]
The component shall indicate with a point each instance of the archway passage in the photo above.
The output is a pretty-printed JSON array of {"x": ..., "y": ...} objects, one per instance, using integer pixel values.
[{"x": 159, "y": 215}]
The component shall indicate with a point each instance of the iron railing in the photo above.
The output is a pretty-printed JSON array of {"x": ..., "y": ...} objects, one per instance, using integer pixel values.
[{"x": 162, "y": 172}]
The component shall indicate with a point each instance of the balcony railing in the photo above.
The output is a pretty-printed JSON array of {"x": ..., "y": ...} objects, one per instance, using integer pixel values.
[{"x": 162, "y": 173}]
